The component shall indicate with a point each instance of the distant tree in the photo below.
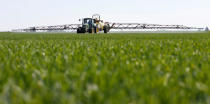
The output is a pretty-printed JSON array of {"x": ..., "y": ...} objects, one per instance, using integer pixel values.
[{"x": 206, "y": 29}]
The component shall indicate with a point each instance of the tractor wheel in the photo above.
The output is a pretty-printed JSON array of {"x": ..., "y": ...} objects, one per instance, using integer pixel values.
[
  {"x": 79, "y": 30},
  {"x": 105, "y": 30},
  {"x": 83, "y": 30},
  {"x": 95, "y": 31},
  {"x": 90, "y": 31}
]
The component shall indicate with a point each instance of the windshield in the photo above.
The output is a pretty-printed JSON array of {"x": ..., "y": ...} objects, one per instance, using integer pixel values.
[{"x": 87, "y": 20}]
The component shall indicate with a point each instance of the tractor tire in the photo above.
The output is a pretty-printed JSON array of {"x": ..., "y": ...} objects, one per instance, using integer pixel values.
[
  {"x": 79, "y": 30},
  {"x": 90, "y": 31},
  {"x": 105, "y": 30},
  {"x": 95, "y": 31},
  {"x": 83, "y": 30}
]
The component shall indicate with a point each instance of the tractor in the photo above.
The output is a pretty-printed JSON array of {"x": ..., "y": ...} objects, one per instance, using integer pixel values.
[{"x": 93, "y": 25}]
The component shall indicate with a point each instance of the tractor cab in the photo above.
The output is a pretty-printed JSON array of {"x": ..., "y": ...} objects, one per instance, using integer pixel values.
[
  {"x": 93, "y": 25},
  {"x": 87, "y": 23}
]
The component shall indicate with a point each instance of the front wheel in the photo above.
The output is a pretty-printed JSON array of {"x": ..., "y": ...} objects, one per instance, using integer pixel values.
[{"x": 90, "y": 31}]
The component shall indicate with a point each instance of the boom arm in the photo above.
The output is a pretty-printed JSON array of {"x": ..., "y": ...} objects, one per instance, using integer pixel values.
[{"x": 115, "y": 26}]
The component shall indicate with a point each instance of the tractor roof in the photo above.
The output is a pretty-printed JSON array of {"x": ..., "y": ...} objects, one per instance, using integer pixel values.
[{"x": 87, "y": 18}]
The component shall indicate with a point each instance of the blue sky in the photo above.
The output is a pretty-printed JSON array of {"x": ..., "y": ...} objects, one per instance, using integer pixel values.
[{"x": 25, "y": 13}]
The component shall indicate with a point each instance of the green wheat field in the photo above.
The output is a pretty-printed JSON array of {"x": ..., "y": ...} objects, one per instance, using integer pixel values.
[{"x": 137, "y": 68}]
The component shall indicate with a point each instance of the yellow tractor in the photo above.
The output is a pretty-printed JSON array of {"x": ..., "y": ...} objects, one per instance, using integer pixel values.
[{"x": 93, "y": 25}]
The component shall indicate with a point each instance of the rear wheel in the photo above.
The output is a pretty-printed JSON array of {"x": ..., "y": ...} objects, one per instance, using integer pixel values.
[
  {"x": 105, "y": 30},
  {"x": 95, "y": 30},
  {"x": 79, "y": 30}
]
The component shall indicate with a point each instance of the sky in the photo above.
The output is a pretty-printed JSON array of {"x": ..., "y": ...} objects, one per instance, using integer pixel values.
[{"x": 17, "y": 14}]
